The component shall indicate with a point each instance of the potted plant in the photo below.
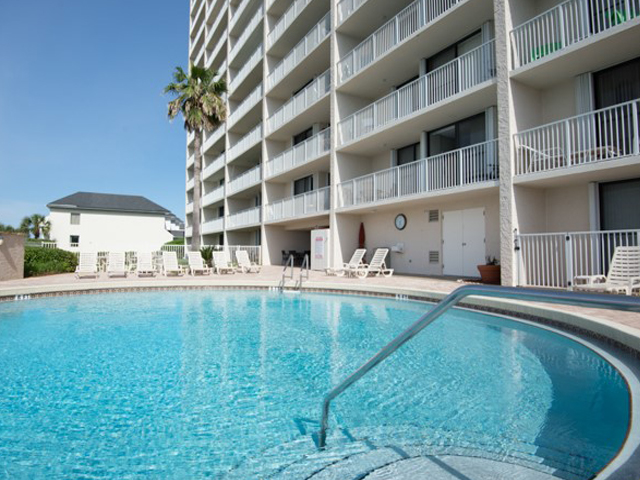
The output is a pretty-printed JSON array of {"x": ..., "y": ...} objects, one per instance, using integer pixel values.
[
  {"x": 490, "y": 272},
  {"x": 207, "y": 255}
]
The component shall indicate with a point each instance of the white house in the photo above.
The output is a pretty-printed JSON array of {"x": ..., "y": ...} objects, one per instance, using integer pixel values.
[{"x": 87, "y": 221}]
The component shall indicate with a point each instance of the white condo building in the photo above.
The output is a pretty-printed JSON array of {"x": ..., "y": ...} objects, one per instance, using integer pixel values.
[{"x": 453, "y": 130}]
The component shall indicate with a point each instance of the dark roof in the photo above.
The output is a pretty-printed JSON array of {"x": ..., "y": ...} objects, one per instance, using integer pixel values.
[{"x": 108, "y": 202}]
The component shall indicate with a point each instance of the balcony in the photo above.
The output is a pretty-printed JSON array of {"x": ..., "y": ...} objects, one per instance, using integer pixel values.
[
  {"x": 217, "y": 50},
  {"x": 569, "y": 23},
  {"x": 245, "y": 180},
  {"x": 247, "y": 32},
  {"x": 188, "y": 232},
  {"x": 300, "y": 51},
  {"x": 214, "y": 167},
  {"x": 245, "y": 143},
  {"x": 211, "y": 138},
  {"x": 189, "y": 208},
  {"x": 286, "y": 20},
  {"x": 301, "y": 154},
  {"x": 213, "y": 196},
  {"x": 465, "y": 167},
  {"x": 347, "y": 7},
  {"x": 245, "y": 218},
  {"x": 191, "y": 160},
  {"x": 599, "y": 137},
  {"x": 316, "y": 202},
  {"x": 190, "y": 184},
  {"x": 462, "y": 74},
  {"x": 213, "y": 226},
  {"x": 300, "y": 102},
  {"x": 247, "y": 104},
  {"x": 238, "y": 13},
  {"x": 247, "y": 68}
]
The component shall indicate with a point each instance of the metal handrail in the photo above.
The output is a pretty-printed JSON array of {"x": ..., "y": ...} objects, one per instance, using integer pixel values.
[
  {"x": 289, "y": 264},
  {"x": 304, "y": 271},
  {"x": 559, "y": 297}
]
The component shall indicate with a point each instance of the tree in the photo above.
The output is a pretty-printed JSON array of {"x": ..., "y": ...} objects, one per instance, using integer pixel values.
[
  {"x": 6, "y": 228},
  {"x": 199, "y": 99},
  {"x": 35, "y": 225}
]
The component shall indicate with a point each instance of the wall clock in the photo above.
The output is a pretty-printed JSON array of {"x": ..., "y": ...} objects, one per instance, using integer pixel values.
[{"x": 401, "y": 222}]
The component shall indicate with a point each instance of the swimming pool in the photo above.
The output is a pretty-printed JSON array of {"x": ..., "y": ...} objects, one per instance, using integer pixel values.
[{"x": 228, "y": 384}]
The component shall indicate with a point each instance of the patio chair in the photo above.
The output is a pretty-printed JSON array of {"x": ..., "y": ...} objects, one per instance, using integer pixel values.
[
  {"x": 623, "y": 276},
  {"x": 144, "y": 264},
  {"x": 170, "y": 264},
  {"x": 116, "y": 264},
  {"x": 87, "y": 265},
  {"x": 245, "y": 265},
  {"x": 377, "y": 265},
  {"x": 350, "y": 267},
  {"x": 221, "y": 263},
  {"x": 196, "y": 264}
]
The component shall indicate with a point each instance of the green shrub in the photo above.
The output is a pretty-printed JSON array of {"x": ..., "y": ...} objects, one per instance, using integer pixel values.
[
  {"x": 176, "y": 241},
  {"x": 45, "y": 261},
  {"x": 207, "y": 255}
]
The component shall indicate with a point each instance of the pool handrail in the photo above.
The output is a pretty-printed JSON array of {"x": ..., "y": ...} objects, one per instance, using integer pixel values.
[
  {"x": 289, "y": 264},
  {"x": 556, "y": 297}
]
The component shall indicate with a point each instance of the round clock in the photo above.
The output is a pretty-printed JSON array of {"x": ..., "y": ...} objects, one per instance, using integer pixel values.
[{"x": 401, "y": 222}]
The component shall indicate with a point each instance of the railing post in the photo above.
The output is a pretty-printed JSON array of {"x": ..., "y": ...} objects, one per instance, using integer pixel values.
[
  {"x": 398, "y": 183},
  {"x": 461, "y": 166},
  {"x": 353, "y": 192},
  {"x": 567, "y": 143},
  {"x": 561, "y": 22},
  {"x": 459, "y": 74},
  {"x": 375, "y": 190},
  {"x": 568, "y": 255},
  {"x": 636, "y": 129}
]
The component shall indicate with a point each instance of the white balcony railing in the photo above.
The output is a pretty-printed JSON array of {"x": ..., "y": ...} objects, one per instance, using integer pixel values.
[
  {"x": 210, "y": 138},
  {"x": 311, "y": 40},
  {"x": 214, "y": 166},
  {"x": 254, "y": 60},
  {"x": 310, "y": 203},
  {"x": 191, "y": 159},
  {"x": 245, "y": 180},
  {"x": 286, "y": 20},
  {"x": 211, "y": 30},
  {"x": 405, "y": 24},
  {"x": 463, "y": 73},
  {"x": 466, "y": 166},
  {"x": 213, "y": 226},
  {"x": 347, "y": 7},
  {"x": 247, "y": 31},
  {"x": 310, "y": 149},
  {"x": 566, "y": 24},
  {"x": 598, "y": 136},
  {"x": 238, "y": 13},
  {"x": 190, "y": 184},
  {"x": 553, "y": 260},
  {"x": 247, "y": 104},
  {"x": 313, "y": 92},
  {"x": 246, "y": 142},
  {"x": 189, "y": 208},
  {"x": 244, "y": 218},
  {"x": 216, "y": 50},
  {"x": 213, "y": 196}
]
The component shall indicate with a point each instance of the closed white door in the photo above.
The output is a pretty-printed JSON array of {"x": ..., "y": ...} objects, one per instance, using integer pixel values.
[{"x": 463, "y": 247}]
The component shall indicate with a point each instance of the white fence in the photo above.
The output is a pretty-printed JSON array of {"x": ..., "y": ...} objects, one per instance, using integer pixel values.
[
  {"x": 247, "y": 104},
  {"x": 597, "y": 136},
  {"x": 554, "y": 259},
  {"x": 245, "y": 180},
  {"x": 246, "y": 142},
  {"x": 245, "y": 218},
  {"x": 567, "y": 24},
  {"x": 43, "y": 244},
  {"x": 256, "y": 57},
  {"x": 311, "y": 40},
  {"x": 463, "y": 73},
  {"x": 313, "y": 92},
  {"x": 346, "y": 8},
  {"x": 299, "y": 154},
  {"x": 316, "y": 201},
  {"x": 254, "y": 251},
  {"x": 286, "y": 20},
  {"x": 406, "y": 23},
  {"x": 466, "y": 166}
]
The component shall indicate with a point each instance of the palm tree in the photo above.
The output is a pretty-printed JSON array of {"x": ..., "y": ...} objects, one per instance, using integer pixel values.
[
  {"x": 199, "y": 98},
  {"x": 25, "y": 225},
  {"x": 37, "y": 223}
]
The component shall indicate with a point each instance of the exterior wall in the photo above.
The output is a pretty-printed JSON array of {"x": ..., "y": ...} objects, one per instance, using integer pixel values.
[
  {"x": 104, "y": 231},
  {"x": 11, "y": 256}
]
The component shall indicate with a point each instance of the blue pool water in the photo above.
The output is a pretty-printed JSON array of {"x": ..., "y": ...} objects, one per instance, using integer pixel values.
[{"x": 191, "y": 384}]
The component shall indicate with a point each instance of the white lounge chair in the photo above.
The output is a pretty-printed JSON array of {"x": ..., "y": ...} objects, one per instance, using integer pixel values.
[
  {"x": 351, "y": 267},
  {"x": 377, "y": 265},
  {"x": 623, "y": 276},
  {"x": 221, "y": 263},
  {"x": 87, "y": 265},
  {"x": 245, "y": 265},
  {"x": 116, "y": 264},
  {"x": 170, "y": 264},
  {"x": 144, "y": 264},
  {"x": 196, "y": 264}
]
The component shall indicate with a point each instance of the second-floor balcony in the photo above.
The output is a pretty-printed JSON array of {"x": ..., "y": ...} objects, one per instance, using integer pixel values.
[
  {"x": 604, "y": 135},
  {"x": 213, "y": 196},
  {"x": 245, "y": 180},
  {"x": 464, "y": 73},
  {"x": 465, "y": 167},
  {"x": 245, "y": 218},
  {"x": 310, "y": 203},
  {"x": 245, "y": 143},
  {"x": 305, "y": 152}
]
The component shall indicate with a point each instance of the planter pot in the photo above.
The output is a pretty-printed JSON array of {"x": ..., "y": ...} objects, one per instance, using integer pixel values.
[{"x": 490, "y": 274}]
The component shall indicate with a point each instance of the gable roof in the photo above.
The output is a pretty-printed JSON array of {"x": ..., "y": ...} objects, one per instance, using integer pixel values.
[{"x": 108, "y": 202}]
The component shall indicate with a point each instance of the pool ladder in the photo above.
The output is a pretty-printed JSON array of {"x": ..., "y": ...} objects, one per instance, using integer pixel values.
[
  {"x": 289, "y": 270},
  {"x": 557, "y": 297}
]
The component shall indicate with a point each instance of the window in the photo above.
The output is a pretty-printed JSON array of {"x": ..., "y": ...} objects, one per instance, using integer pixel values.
[
  {"x": 302, "y": 136},
  {"x": 408, "y": 154},
  {"x": 303, "y": 185},
  {"x": 469, "y": 131},
  {"x": 617, "y": 84},
  {"x": 221, "y": 211},
  {"x": 74, "y": 240},
  {"x": 454, "y": 51},
  {"x": 75, "y": 219},
  {"x": 619, "y": 205}
]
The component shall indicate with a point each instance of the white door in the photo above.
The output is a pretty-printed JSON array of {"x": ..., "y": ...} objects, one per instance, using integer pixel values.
[
  {"x": 319, "y": 249},
  {"x": 463, "y": 241}
]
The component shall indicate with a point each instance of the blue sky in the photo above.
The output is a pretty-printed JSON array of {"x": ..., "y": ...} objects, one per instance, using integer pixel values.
[{"x": 81, "y": 104}]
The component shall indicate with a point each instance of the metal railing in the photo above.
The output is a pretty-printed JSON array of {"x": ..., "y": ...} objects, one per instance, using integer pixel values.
[
  {"x": 304, "y": 152},
  {"x": 283, "y": 278},
  {"x": 238, "y": 13},
  {"x": 465, "y": 166},
  {"x": 250, "y": 64},
  {"x": 311, "y": 40},
  {"x": 213, "y": 196},
  {"x": 554, "y": 260},
  {"x": 254, "y": 251},
  {"x": 405, "y": 24},
  {"x": 302, "y": 100},
  {"x": 246, "y": 142},
  {"x": 304, "y": 272},
  {"x": 218, "y": 48},
  {"x": 245, "y": 180},
  {"x": 597, "y": 136},
  {"x": 247, "y": 31},
  {"x": 347, "y": 7},
  {"x": 309, "y": 203},
  {"x": 463, "y": 73},
  {"x": 214, "y": 166},
  {"x": 210, "y": 138},
  {"x": 451, "y": 300},
  {"x": 247, "y": 104},
  {"x": 213, "y": 226},
  {"x": 244, "y": 218},
  {"x": 286, "y": 20},
  {"x": 566, "y": 24}
]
